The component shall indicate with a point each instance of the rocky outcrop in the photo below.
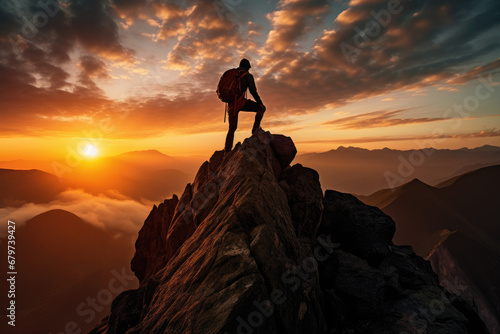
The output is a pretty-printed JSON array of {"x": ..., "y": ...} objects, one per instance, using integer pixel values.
[{"x": 252, "y": 246}]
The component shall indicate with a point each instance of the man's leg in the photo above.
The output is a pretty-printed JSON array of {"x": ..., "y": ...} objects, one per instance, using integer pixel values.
[
  {"x": 255, "y": 107},
  {"x": 233, "y": 124}
]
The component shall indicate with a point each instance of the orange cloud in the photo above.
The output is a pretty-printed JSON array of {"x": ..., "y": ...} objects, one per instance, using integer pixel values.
[
  {"x": 116, "y": 213},
  {"x": 378, "y": 119}
]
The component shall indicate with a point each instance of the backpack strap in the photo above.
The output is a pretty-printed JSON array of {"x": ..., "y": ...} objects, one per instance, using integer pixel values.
[{"x": 239, "y": 89}]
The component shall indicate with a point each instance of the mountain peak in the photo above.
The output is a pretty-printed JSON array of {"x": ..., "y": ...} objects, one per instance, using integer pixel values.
[
  {"x": 253, "y": 245},
  {"x": 149, "y": 153},
  {"x": 416, "y": 183}
]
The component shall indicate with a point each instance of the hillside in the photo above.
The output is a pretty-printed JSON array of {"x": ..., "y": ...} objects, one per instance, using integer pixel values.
[
  {"x": 61, "y": 261},
  {"x": 28, "y": 186}
]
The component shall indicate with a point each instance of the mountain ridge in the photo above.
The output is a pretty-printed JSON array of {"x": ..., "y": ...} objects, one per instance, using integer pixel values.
[
  {"x": 253, "y": 245},
  {"x": 364, "y": 172}
]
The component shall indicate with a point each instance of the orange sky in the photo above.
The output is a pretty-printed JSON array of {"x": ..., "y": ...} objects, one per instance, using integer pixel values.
[{"x": 136, "y": 74}]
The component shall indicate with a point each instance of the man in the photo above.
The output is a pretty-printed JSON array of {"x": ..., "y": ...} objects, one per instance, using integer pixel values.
[{"x": 243, "y": 104}]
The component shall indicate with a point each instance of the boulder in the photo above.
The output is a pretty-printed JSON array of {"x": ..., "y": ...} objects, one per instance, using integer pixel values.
[{"x": 361, "y": 229}]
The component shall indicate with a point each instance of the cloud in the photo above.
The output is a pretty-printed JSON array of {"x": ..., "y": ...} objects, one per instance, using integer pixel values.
[
  {"x": 423, "y": 43},
  {"x": 298, "y": 61},
  {"x": 292, "y": 20},
  {"x": 208, "y": 37},
  {"x": 129, "y": 7},
  {"x": 93, "y": 67},
  {"x": 115, "y": 213},
  {"x": 474, "y": 73},
  {"x": 173, "y": 19},
  {"x": 377, "y": 119},
  {"x": 37, "y": 90},
  {"x": 100, "y": 36}
]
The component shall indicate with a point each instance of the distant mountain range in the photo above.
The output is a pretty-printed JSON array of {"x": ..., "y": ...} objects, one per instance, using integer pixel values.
[
  {"x": 362, "y": 171},
  {"x": 456, "y": 225},
  {"x": 467, "y": 203},
  {"x": 139, "y": 175}
]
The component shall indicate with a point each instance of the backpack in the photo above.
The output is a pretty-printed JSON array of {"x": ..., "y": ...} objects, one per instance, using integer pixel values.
[{"x": 229, "y": 87}]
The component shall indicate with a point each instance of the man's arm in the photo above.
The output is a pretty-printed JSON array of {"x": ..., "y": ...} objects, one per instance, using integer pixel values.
[{"x": 253, "y": 89}]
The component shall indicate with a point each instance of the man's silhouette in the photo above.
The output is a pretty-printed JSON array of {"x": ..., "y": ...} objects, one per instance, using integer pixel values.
[{"x": 243, "y": 104}]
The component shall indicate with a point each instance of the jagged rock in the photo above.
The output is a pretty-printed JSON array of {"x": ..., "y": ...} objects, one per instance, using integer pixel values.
[
  {"x": 413, "y": 270},
  {"x": 359, "y": 284},
  {"x": 284, "y": 148},
  {"x": 305, "y": 198},
  {"x": 128, "y": 306},
  {"x": 240, "y": 255},
  {"x": 151, "y": 244},
  {"x": 361, "y": 229}
]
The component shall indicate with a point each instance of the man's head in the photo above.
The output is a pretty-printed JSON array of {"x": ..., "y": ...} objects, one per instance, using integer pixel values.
[{"x": 244, "y": 63}]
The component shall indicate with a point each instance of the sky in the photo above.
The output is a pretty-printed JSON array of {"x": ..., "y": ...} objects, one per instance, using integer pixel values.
[{"x": 127, "y": 75}]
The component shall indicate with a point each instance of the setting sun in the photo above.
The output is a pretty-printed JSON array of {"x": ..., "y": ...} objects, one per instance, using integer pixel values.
[{"x": 90, "y": 151}]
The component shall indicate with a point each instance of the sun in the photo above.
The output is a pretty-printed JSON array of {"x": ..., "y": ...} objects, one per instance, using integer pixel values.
[{"x": 90, "y": 151}]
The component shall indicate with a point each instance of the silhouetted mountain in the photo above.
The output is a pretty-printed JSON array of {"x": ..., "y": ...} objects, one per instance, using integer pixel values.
[
  {"x": 469, "y": 203},
  {"x": 363, "y": 171},
  {"x": 466, "y": 203},
  {"x": 252, "y": 245},
  {"x": 61, "y": 261},
  {"x": 28, "y": 186}
]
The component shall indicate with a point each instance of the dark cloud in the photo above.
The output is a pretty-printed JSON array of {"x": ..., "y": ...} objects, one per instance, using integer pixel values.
[
  {"x": 96, "y": 29},
  {"x": 129, "y": 7},
  {"x": 93, "y": 67},
  {"x": 475, "y": 72},
  {"x": 36, "y": 40}
]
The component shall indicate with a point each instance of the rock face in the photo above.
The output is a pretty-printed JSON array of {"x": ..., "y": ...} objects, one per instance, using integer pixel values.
[
  {"x": 472, "y": 271},
  {"x": 252, "y": 246}
]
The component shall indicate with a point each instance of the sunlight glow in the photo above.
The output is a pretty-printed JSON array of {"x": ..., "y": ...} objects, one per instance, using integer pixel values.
[{"x": 90, "y": 151}]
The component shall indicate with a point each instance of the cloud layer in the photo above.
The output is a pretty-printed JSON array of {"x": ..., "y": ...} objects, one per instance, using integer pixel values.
[
  {"x": 54, "y": 70},
  {"x": 113, "y": 213}
]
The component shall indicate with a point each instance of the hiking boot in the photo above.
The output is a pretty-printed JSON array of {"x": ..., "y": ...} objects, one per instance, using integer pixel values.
[{"x": 255, "y": 129}]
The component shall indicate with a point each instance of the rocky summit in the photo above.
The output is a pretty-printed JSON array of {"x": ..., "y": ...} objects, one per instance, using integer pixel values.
[{"x": 254, "y": 246}]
